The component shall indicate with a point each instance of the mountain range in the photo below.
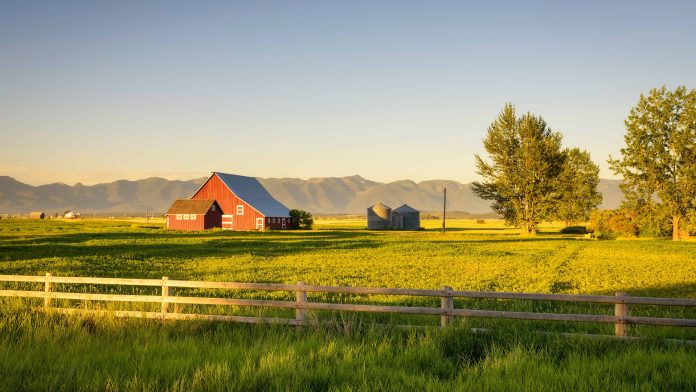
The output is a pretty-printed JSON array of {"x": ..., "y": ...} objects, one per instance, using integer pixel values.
[{"x": 326, "y": 195}]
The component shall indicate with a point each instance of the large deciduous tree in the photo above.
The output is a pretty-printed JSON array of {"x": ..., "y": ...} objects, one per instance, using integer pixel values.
[
  {"x": 660, "y": 154},
  {"x": 523, "y": 173},
  {"x": 578, "y": 181}
]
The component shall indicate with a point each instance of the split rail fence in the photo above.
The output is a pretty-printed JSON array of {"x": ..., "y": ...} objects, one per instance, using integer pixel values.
[{"x": 446, "y": 311}]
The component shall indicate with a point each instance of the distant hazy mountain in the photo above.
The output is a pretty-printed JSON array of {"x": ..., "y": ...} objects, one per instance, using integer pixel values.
[
  {"x": 153, "y": 194},
  {"x": 329, "y": 195}
]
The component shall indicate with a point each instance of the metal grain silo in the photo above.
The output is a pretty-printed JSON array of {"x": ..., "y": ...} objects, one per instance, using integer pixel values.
[
  {"x": 379, "y": 217},
  {"x": 406, "y": 218}
]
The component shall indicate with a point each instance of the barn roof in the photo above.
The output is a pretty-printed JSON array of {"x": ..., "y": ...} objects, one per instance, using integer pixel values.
[
  {"x": 190, "y": 207},
  {"x": 405, "y": 209},
  {"x": 251, "y": 191}
]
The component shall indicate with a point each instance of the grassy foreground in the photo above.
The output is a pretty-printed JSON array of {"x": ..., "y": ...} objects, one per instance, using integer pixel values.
[
  {"x": 44, "y": 353},
  {"x": 48, "y": 352}
]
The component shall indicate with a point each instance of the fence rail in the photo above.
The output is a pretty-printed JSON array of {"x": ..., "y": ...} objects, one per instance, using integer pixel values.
[{"x": 301, "y": 305}]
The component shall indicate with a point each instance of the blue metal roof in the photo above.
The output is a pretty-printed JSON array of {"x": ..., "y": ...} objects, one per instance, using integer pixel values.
[
  {"x": 252, "y": 192},
  {"x": 405, "y": 209}
]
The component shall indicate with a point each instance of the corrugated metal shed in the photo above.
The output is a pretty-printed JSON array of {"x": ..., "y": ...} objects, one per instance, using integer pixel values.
[
  {"x": 406, "y": 218},
  {"x": 379, "y": 217}
]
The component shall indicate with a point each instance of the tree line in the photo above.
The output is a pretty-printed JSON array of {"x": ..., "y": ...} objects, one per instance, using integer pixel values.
[{"x": 530, "y": 177}]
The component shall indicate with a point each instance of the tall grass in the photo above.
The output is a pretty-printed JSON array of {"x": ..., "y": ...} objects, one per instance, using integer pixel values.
[{"x": 44, "y": 352}]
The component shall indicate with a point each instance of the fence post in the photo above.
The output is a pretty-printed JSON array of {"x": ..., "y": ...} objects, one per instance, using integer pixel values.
[
  {"x": 166, "y": 291},
  {"x": 48, "y": 287},
  {"x": 447, "y": 303},
  {"x": 620, "y": 310},
  {"x": 301, "y": 299}
]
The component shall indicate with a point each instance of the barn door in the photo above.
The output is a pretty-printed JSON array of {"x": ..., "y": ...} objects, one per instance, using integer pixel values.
[{"x": 228, "y": 222}]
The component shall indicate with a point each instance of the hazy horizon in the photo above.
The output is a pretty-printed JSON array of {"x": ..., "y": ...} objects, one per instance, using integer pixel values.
[
  {"x": 267, "y": 178},
  {"x": 95, "y": 92}
]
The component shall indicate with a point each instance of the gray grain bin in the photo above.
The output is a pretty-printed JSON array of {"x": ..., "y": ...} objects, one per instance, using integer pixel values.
[
  {"x": 406, "y": 218},
  {"x": 379, "y": 217}
]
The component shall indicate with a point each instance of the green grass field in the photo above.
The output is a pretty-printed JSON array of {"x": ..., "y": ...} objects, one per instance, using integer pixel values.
[{"x": 346, "y": 351}]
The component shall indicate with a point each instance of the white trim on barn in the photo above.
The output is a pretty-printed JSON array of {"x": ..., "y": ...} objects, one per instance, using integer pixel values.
[{"x": 227, "y": 222}]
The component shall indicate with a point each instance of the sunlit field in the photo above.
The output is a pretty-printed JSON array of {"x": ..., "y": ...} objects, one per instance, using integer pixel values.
[
  {"x": 344, "y": 351},
  {"x": 469, "y": 256}
]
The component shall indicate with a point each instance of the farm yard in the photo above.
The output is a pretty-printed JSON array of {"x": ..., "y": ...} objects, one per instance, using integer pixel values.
[{"x": 344, "y": 351}]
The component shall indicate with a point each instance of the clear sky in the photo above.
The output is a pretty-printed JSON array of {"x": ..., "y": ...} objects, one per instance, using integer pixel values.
[{"x": 96, "y": 91}]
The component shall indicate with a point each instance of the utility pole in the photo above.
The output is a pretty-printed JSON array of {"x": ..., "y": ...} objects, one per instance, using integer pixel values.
[
  {"x": 444, "y": 208},
  {"x": 147, "y": 216}
]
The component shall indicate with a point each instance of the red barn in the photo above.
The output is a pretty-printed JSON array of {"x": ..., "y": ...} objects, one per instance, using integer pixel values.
[
  {"x": 193, "y": 215},
  {"x": 245, "y": 203}
]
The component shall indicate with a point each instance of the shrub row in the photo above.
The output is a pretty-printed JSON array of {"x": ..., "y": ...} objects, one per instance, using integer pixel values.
[{"x": 626, "y": 222}]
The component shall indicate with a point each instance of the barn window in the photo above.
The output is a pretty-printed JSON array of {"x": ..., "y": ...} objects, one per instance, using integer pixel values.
[
  {"x": 186, "y": 216},
  {"x": 240, "y": 209},
  {"x": 178, "y": 216},
  {"x": 259, "y": 223},
  {"x": 212, "y": 208},
  {"x": 192, "y": 216}
]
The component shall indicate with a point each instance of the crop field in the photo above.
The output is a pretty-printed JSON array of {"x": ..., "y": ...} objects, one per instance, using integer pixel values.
[{"x": 345, "y": 351}]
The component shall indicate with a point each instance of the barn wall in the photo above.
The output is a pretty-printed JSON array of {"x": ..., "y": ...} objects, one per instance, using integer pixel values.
[
  {"x": 215, "y": 189},
  {"x": 277, "y": 223},
  {"x": 191, "y": 224}
]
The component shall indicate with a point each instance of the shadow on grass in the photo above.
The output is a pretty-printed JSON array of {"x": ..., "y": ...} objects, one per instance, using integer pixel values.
[
  {"x": 182, "y": 246},
  {"x": 499, "y": 239},
  {"x": 168, "y": 234},
  {"x": 479, "y": 229},
  {"x": 684, "y": 290}
]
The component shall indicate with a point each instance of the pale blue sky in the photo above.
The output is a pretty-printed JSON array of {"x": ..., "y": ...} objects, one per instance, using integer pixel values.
[{"x": 97, "y": 91}]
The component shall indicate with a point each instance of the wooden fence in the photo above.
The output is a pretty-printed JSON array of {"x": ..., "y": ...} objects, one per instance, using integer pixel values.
[{"x": 446, "y": 311}]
